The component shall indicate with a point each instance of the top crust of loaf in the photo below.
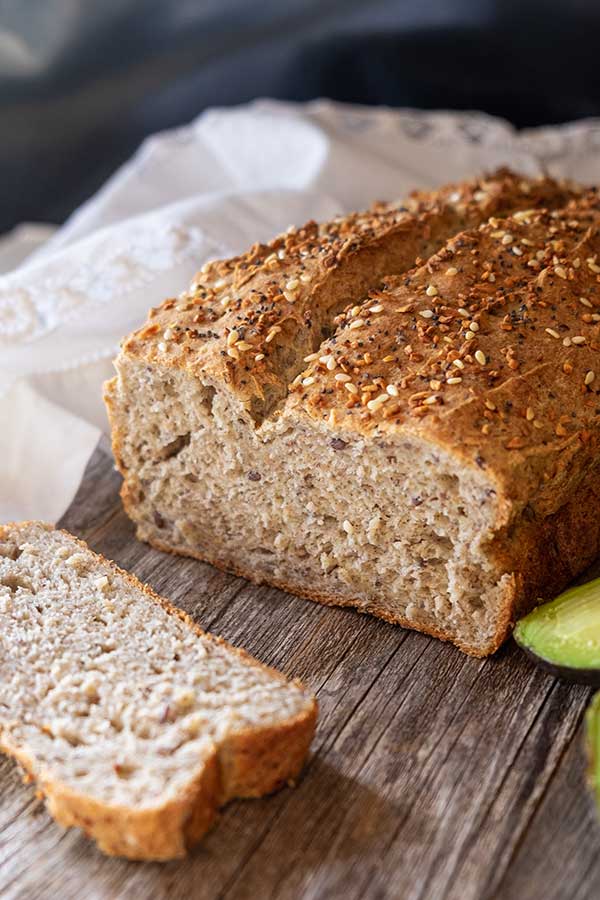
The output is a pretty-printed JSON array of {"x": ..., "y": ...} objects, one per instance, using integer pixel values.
[{"x": 248, "y": 322}]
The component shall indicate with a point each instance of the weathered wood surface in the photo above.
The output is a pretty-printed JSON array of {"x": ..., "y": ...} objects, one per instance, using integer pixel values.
[{"x": 433, "y": 775}]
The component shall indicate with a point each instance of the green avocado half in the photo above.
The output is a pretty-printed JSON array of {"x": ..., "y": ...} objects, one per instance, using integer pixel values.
[
  {"x": 564, "y": 635},
  {"x": 592, "y": 740}
]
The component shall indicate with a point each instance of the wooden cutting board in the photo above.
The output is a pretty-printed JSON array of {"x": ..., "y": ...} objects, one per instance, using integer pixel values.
[{"x": 433, "y": 775}]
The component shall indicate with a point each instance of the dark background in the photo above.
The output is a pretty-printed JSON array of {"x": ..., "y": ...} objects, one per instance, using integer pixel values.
[{"x": 83, "y": 81}]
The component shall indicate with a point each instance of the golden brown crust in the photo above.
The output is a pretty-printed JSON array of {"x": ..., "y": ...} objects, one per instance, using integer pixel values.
[
  {"x": 249, "y": 321},
  {"x": 250, "y": 763},
  {"x": 511, "y": 365}
]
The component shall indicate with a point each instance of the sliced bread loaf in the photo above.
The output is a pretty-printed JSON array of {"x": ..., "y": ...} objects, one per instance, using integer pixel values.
[
  {"x": 135, "y": 724},
  {"x": 429, "y": 454}
]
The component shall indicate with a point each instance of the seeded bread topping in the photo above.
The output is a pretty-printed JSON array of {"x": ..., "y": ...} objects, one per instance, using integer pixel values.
[
  {"x": 484, "y": 311},
  {"x": 252, "y": 319}
]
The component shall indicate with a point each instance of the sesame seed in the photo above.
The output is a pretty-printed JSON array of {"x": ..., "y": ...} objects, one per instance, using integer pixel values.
[
  {"x": 507, "y": 239},
  {"x": 458, "y": 363},
  {"x": 592, "y": 265},
  {"x": 586, "y": 302},
  {"x": 426, "y": 313},
  {"x": 101, "y": 582},
  {"x": 566, "y": 342},
  {"x": 490, "y": 405},
  {"x": 225, "y": 300},
  {"x": 347, "y": 526},
  {"x": 305, "y": 278},
  {"x": 469, "y": 335},
  {"x": 452, "y": 271},
  {"x": 357, "y": 323},
  {"x": 431, "y": 291},
  {"x": 491, "y": 277},
  {"x": 517, "y": 251},
  {"x": 293, "y": 284},
  {"x": 480, "y": 357},
  {"x": 351, "y": 388},
  {"x": 232, "y": 338},
  {"x": 589, "y": 377},
  {"x": 377, "y": 401},
  {"x": 341, "y": 376},
  {"x": 233, "y": 352},
  {"x": 463, "y": 312},
  {"x": 162, "y": 347},
  {"x": 281, "y": 254},
  {"x": 455, "y": 379},
  {"x": 289, "y": 296},
  {"x": 552, "y": 332},
  {"x": 328, "y": 361},
  {"x": 259, "y": 356},
  {"x": 529, "y": 414},
  {"x": 434, "y": 384},
  {"x": 377, "y": 308},
  {"x": 243, "y": 346},
  {"x": 311, "y": 357},
  {"x": 561, "y": 271},
  {"x": 578, "y": 339},
  {"x": 168, "y": 334},
  {"x": 220, "y": 283},
  {"x": 274, "y": 330},
  {"x": 473, "y": 326},
  {"x": 392, "y": 390},
  {"x": 308, "y": 380},
  {"x": 354, "y": 311},
  {"x": 429, "y": 401}
]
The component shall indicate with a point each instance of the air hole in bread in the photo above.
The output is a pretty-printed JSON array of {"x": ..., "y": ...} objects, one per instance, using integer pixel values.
[
  {"x": 10, "y": 551},
  {"x": 14, "y": 582},
  {"x": 207, "y": 399},
  {"x": 174, "y": 447}
]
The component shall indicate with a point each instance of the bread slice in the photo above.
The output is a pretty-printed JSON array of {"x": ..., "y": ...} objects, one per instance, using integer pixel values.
[
  {"x": 134, "y": 723},
  {"x": 435, "y": 462}
]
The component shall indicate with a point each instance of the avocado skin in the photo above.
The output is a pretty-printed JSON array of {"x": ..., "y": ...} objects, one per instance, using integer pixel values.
[{"x": 567, "y": 673}]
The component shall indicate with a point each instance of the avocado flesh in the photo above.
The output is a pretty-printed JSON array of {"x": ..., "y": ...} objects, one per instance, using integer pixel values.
[
  {"x": 564, "y": 635},
  {"x": 592, "y": 740}
]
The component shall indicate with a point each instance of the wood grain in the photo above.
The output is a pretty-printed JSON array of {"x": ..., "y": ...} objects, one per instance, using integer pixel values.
[{"x": 433, "y": 775}]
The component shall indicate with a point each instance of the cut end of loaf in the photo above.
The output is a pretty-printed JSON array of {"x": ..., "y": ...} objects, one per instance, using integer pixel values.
[
  {"x": 391, "y": 525},
  {"x": 136, "y": 725}
]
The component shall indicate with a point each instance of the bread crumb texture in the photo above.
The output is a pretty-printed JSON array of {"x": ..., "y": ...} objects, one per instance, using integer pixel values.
[{"x": 134, "y": 723}]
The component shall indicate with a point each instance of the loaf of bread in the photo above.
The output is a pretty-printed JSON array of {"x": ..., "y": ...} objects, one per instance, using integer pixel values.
[
  {"x": 135, "y": 724},
  {"x": 395, "y": 411}
]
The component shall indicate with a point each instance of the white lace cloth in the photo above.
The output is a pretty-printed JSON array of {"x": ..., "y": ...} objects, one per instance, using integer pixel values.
[{"x": 210, "y": 189}]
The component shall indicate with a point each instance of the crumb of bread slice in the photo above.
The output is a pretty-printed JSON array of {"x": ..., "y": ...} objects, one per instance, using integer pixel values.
[{"x": 135, "y": 724}]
